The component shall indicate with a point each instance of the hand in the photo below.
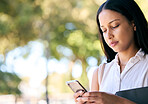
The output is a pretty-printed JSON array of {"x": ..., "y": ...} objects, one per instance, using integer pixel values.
[
  {"x": 97, "y": 97},
  {"x": 78, "y": 94}
]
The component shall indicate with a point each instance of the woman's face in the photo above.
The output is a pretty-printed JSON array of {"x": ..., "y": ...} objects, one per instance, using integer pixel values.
[{"x": 118, "y": 32}]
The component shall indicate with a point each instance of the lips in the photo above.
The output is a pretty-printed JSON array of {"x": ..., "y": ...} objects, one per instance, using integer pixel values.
[{"x": 112, "y": 44}]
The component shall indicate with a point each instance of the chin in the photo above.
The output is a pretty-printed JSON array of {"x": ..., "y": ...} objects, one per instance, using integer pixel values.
[{"x": 115, "y": 50}]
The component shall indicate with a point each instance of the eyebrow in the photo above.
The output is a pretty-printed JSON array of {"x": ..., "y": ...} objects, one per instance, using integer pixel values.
[{"x": 112, "y": 21}]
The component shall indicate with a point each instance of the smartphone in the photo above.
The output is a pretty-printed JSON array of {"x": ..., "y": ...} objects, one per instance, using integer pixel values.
[{"x": 76, "y": 86}]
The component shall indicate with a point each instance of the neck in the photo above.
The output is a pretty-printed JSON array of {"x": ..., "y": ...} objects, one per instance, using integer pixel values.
[{"x": 125, "y": 56}]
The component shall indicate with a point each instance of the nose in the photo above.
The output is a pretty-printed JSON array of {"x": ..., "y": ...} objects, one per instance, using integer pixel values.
[{"x": 109, "y": 34}]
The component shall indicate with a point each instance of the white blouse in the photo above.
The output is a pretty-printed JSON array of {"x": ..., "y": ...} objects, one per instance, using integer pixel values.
[{"x": 134, "y": 75}]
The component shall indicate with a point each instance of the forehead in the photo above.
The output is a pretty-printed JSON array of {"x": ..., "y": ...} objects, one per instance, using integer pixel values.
[{"x": 106, "y": 16}]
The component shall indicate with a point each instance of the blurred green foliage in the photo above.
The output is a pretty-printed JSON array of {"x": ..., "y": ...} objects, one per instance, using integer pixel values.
[
  {"x": 9, "y": 83},
  {"x": 16, "y": 29},
  {"x": 16, "y": 23}
]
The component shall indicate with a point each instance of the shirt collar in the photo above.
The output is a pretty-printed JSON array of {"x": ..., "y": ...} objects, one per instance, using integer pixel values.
[{"x": 139, "y": 55}]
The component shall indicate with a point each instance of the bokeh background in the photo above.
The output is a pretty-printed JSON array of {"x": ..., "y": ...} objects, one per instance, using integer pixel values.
[{"x": 43, "y": 44}]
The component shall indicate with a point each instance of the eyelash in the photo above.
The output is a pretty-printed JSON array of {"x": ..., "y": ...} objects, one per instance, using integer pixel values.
[
  {"x": 112, "y": 28},
  {"x": 115, "y": 26}
]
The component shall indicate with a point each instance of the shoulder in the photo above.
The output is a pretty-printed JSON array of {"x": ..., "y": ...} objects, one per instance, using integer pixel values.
[
  {"x": 97, "y": 72},
  {"x": 100, "y": 69},
  {"x": 104, "y": 66},
  {"x": 98, "y": 75}
]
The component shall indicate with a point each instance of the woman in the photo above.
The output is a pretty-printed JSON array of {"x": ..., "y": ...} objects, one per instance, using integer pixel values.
[{"x": 123, "y": 33}]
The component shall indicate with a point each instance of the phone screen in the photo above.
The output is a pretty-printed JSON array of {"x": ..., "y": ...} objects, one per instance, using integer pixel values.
[{"x": 76, "y": 86}]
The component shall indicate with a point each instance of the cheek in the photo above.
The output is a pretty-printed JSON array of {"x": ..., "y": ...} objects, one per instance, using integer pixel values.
[
  {"x": 127, "y": 34},
  {"x": 126, "y": 37},
  {"x": 106, "y": 39}
]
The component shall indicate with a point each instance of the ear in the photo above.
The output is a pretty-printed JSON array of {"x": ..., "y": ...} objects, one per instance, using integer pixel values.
[{"x": 134, "y": 26}]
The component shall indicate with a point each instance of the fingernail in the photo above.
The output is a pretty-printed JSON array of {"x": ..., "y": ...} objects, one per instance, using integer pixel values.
[
  {"x": 80, "y": 91},
  {"x": 78, "y": 99}
]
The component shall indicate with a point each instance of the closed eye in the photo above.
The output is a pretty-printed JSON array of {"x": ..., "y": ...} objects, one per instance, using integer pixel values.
[{"x": 115, "y": 26}]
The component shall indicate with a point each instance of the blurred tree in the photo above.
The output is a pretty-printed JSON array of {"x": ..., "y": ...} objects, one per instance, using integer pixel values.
[
  {"x": 17, "y": 21},
  {"x": 9, "y": 83},
  {"x": 71, "y": 24}
]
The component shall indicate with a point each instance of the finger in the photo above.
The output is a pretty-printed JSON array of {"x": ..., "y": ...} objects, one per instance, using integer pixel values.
[
  {"x": 86, "y": 99},
  {"x": 78, "y": 94},
  {"x": 78, "y": 103},
  {"x": 90, "y": 103},
  {"x": 90, "y": 94},
  {"x": 94, "y": 93}
]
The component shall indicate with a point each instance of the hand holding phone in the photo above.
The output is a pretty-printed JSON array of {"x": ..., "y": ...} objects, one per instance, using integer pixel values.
[{"x": 76, "y": 86}]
